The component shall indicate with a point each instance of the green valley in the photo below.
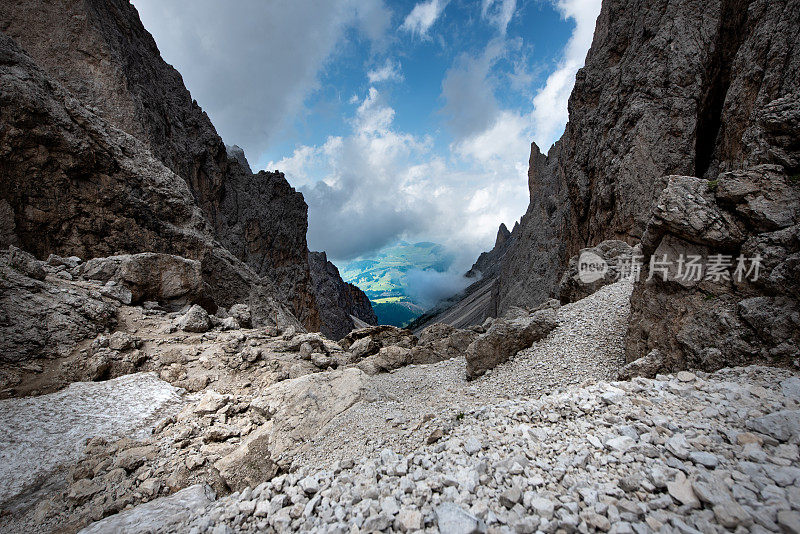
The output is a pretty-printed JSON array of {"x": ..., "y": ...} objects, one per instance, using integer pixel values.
[{"x": 384, "y": 277}]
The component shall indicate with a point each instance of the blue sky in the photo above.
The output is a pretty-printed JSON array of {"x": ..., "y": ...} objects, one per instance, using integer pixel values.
[{"x": 397, "y": 120}]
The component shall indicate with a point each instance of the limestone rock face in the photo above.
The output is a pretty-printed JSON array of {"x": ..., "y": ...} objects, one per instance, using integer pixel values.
[
  {"x": 721, "y": 318},
  {"x": 76, "y": 185},
  {"x": 150, "y": 276},
  {"x": 263, "y": 221},
  {"x": 338, "y": 301},
  {"x": 39, "y": 318},
  {"x": 259, "y": 217},
  {"x": 716, "y": 89},
  {"x": 102, "y": 55}
]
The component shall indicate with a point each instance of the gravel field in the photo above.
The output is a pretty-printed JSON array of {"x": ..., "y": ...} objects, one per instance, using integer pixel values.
[
  {"x": 685, "y": 453},
  {"x": 405, "y": 406}
]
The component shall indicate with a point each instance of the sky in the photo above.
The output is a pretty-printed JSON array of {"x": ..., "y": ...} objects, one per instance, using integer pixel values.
[{"x": 396, "y": 119}]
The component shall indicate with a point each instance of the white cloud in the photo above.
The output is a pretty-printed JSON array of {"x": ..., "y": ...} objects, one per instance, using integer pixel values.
[
  {"x": 389, "y": 71},
  {"x": 253, "y": 67},
  {"x": 498, "y": 12},
  {"x": 423, "y": 16},
  {"x": 550, "y": 103},
  {"x": 374, "y": 184},
  {"x": 468, "y": 92},
  {"x": 377, "y": 185},
  {"x": 505, "y": 140}
]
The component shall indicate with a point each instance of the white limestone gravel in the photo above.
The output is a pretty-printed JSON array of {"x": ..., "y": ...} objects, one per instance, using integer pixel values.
[
  {"x": 622, "y": 457},
  {"x": 403, "y": 407}
]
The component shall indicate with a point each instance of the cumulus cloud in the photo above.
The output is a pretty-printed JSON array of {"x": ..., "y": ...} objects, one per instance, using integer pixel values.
[
  {"x": 355, "y": 185},
  {"x": 389, "y": 71},
  {"x": 498, "y": 12},
  {"x": 377, "y": 185},
  {"x": 550, "y": 104},
  {"x": 468, "y": 92},
  {"x": 252, "y": 69},
  {"x": 423, "y": 16}
]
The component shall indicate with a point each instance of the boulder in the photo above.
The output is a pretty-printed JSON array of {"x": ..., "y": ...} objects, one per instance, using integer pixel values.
[
  {"x": 646, "y": 366},
  {"x": 45, "y": 318},
  {"x": 452, "y": 519},
  {"x": 744, "y": 224},
  {"x": 196, "y": 319},
  {"x": 505, "y": 338},
  {"x": 241, "y": 313},
  {"x": 298, "y": 409},
  {"x": 150, "y": 276},
  {"x": 164, "y": 514},
  {"x": 783, "y": 425},
  {"x": 387, "y": 359},
  {"x": 439, "y": 342},
  {"x": 26, "y": 263},
  {"x": 362, "y": 348}
]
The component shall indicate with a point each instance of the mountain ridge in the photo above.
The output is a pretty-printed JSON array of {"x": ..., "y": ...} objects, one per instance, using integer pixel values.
[{"x": 260, "y": 218}]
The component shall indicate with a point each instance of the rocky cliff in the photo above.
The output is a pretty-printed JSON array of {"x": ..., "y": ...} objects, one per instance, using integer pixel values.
[
  {"x": 474, "y": 304},
  {"x": 75, "y": 185},
  {"x": 694, "y": 88},
  {"x": 103, "y": 56},
  {"x": 342, "y": 304}
]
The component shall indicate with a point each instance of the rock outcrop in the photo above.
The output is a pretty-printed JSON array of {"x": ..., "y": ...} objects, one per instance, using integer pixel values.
[
  {"x": 75, "y": 185},
  {"x": 505, "y": 338},
  {"x": 103, "y": 57},
  {"x": 368, "y": 341},
  {"x": 162, "y": 514},
  {"x": 40, "y": 318},
  {"x": 657, "y": 99},
  {"x": 741, "y": 302},
  {"x": 338, "y": 300},
  {"x": 162, "y": 278},
  {"x": 436, "y": 343},
  {"x": 296, "y": 411}
]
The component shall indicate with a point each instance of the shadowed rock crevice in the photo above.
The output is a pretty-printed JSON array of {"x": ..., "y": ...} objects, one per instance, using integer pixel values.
[{"x": 717, "y": 80}]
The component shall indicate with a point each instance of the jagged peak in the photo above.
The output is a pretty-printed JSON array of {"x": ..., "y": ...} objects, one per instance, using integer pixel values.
[
  {"x": 235, "y": 152},
  {"x": 502, "y": 235}
]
